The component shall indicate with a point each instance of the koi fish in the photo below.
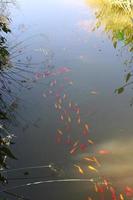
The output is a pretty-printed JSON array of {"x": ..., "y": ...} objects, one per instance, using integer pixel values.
[
  {"x": 69, "y": 119},
  {"x": 95, "y": 187},
  {"x": 38, "y": 75},
  {"x": 66, "y": 79},
  {"x": 59, "y": 106},
  {"x": 52, "y": 83},
  {"x": 58, "y": 139},
  {"x": 62, "y": 118},
  {"x": 55, "y": 105},
  {"x": 83, "y": 147},
  {"x": 129, "y": 191},
  {"x": 68, "y": 141},
  {"x": 92, "y": 168},
  {"x": 70, "y": 104},
  {"x": 96, "y": 161},
  {"x": 88, "y": 159},
  {"x": 44, "y": 95},
  {"x": 64, "y": 96},
  {"x": 87, "y": 127},
  {"x": 79, "y": 120},
  {"x": 57, "y": 94},
  {"x": 85, "y": 132},
  {"x": 60, "y": 132},
  {"x": 104, "y": 152},
  {"x": 73, "y": 150},
  {"x": 121, "y": 197},
  {"x": 78, "y": 111},
  {"x": 65, "y": 112},
  {"x": 62, "y": 70},
  {"x": 80, "y": 169},
  {"x": 60, "y": 100},
  {"x": 106, "y": 183},
  {"x": 112, "y": 190},
  {"x": 100, "y": 189},
  {"x": 50, "y": 91},
  {"x": 90, "y": 141},
  {"x": 76, "y": 143},
  {"x": 70, "y": 83}
]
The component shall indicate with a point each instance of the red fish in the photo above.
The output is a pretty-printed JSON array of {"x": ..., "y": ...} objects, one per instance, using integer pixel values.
[
  {"x": 112, "y": 190},
  {"x": 104, "y": 152},
  {"x": 129, "y": 191},
  {"x": 62, "y": 70},
  {"x": 38, "y": 75},
  {"x": 58, "y": 139},
  {"x": 68, "y": 141},
  {"x": 83, "y": 147},
  {"x": 85, "y": 132}
]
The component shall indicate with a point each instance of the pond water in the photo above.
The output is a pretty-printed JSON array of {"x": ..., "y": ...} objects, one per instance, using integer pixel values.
[{"x": 70, "y": 112}]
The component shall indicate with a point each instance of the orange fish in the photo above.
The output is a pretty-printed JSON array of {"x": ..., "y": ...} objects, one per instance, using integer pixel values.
[
  {"x": 96, "y": 161},
  {"x": 70, "y": 104},
  {"x": 88, "y": 159},
  {"x": 73, "y": 150},
  {"x": 96, "y": 188},
  {"x": 60, "y": 100},
  {"x": 80, "y": 170},
  {"x": 90, "y": 141},
  {"x": 69, "y": 119},
  {"x": 83, "y": 147},
  {"x": 76, "y": 143},
  {"x": 87, "y": 127},
  {"x": 92, "y": 168},
  {"x": 78, "y": 111},
  {"x": 79, "y": 120},
  {"x": 121, "y": 197},
  {"x": 85, "y": 132},
  {"x": 89, "y": 198},
  {"x": 106, "y": 183},
  {"x": 65, "y": 112},
  {"x": 60, "y": 132},
  {"x": 59, "y": 106},
  {"x": 129, "y": 191},
  {"x": 103, "y": 152},
  {"x": 62, "y": 118}
]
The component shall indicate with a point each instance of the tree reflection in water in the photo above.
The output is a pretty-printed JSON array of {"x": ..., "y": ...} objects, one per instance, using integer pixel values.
[{"x": 116, "y": 20}]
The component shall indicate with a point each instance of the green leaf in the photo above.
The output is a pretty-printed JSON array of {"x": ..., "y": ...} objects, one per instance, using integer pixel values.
[
  {"x": 120, "y": 35},
  {"x": 7, "y": 152},
  {"x": 3, "y": 115},
  {"x": 131, "y": 49},
  {"x": 115, "y": 44},
  {"x": 5, "y": 29},
  {"x": 128, "y": 76},
  {"x": 120, "y": 90},
  {"x": 3, "y": 179}
]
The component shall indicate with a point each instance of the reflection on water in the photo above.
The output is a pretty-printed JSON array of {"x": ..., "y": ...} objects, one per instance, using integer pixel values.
[
  {"x": 116, "y": 19},
  {"x": 117, "y": 22},
  {"x": 80, "y": 126}
]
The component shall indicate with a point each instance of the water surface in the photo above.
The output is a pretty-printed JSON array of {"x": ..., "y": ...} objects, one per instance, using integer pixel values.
[{"x": 60, "y": 32}]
